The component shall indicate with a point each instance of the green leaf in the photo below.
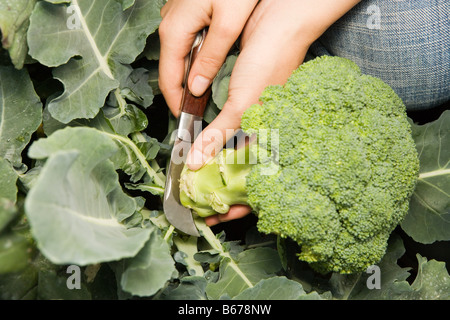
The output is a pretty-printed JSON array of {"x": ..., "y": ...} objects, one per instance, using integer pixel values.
[
  {"x": 250, "y": 267},
  {"x": 219, "y": 89},
  {"x": 76, "y": 206},
  {"x": 132, "y": 156},
  {"x": 14, "y": 253},
  {"x": 20, "y": 113},
  {"x": 58, "y": 1},
  {"x": 128, "y": 120},
  {"x": 187, "y": 248},
  {"x": 392, "y": 277},
  {"x": 126, "y": 3},
  {"x": 428, "y": 219},
  {"x": 136, "y": 88},
  {"x": 153, "y": 48},
  {"x": 221, "y": 82},
  {"x": 92, "y": 44},
  {"x": 14, "y": 247},
  {"x": 20, "y": 285},
  {"x": 277, "y": 288},
  {"x": 8, "y": 212},
  {"x": 14, "y": 22},
  {"x": 432, "y": 282},
  {"x": 8, "y": 177},
  {"x": 190, "y": 288},
  {"x": 53, "y": 286},
  {"x": 150, "y": 269},
  {"x": 153, "y": 76}
]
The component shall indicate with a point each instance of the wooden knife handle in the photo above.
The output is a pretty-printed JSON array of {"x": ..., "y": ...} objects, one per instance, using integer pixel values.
[
  {"x": 195, "y": 105},
  {"x": 190, "y": 103}
]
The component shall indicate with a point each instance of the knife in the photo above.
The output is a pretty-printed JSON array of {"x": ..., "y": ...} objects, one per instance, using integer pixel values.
[{"x": 188, "y": 128}]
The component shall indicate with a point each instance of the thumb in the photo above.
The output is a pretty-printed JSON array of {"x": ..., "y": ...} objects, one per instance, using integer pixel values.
[{"x": 212, "y": 139}]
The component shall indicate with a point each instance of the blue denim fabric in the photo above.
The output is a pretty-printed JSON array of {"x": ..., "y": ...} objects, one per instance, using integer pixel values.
[{"x": 406, "y": 43}]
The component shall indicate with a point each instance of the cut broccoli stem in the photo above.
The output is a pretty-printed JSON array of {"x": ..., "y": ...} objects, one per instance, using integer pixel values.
[{"x": 219, "y": 184}]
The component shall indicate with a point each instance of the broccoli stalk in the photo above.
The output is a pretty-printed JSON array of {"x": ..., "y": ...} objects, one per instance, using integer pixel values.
[
  {"x": 219, "y": 184},
  {"x": 345, "y": 169}
]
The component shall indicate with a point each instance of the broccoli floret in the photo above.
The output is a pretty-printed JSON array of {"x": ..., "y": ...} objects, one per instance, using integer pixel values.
[{"x": 340, "y": 178}]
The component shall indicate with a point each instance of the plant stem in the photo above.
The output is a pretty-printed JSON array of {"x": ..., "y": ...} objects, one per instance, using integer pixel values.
[
  {"x": 150, "y": 171},
  {"x": 215, "y": 243},
  {"x": 434, "y": 173},
  {"x": 169, "y": 233},
  {"x": 122, "y": 103}
]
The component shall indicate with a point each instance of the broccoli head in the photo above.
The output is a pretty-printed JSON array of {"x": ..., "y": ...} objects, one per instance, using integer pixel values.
[{"x": 338, "y": 179}]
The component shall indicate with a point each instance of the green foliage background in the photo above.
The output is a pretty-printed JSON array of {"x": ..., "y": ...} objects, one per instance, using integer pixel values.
[{"x": 84, "y": 143}]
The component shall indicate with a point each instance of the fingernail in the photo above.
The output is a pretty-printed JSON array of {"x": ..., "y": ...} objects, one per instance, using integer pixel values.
[
  {"x": 199, "y": 85},
  {"x": 195, "y": 160}
]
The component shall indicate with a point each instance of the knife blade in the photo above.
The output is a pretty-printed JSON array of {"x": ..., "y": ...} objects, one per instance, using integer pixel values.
[{"x": 188, "y": 128}]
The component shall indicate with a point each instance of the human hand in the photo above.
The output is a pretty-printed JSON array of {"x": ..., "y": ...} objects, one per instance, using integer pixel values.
[
  {"x": 273, "y": 44},
  {"x": 181, "y": 21}
]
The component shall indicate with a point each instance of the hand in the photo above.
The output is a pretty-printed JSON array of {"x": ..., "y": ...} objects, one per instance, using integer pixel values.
[
  {"x": 181, "y": 21},
  {"x": 274, "y": 43}
]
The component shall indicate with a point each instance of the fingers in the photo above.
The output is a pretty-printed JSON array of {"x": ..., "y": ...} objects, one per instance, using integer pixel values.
[
  {"x": 172, "y": 69},
  {"x": 212, "y": 138},
  {"x": 181, "y": 22},
  {"x": 226, "y": 25},
  {"x": 251, "y": 74},
  {"x": 177, "y": 30},
  {"x": 236, "y": 212}
]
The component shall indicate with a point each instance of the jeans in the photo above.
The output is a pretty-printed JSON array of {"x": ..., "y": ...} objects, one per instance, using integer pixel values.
[{"x": 406, "y": 43}]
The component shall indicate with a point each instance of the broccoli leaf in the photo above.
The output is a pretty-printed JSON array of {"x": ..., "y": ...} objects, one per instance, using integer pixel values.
[
  {"x": 14, "y": 252},
  {"x": 277, "y": 288},
  {"x": 76, "y": 206},
  {"x": 14, "y": 22},
  {"x": 126, "y": 3},
  {"x": 219, "y": 89},
  {"x": 8, "y": 177},
  {"x": 432, "y": 282},
  {"x": 53, "y": 286},
  {"x": 187, "y": 248},
  {"x": 126, "y": 120},
  {"x": 23, "y": 285},
  {"x": 20, "y": 113},
  {"x": 392, "y": 278},
  {"x": 221, "y": 82},
  {"x": 137, "y": 87},
  {"x": 150, "y": 269},
  {"x": 250, "y": 267},
  {"x": 428, "y": 219},
  {"x": 190, "y": 288},
  {"x": 92, "y": 44},
  {"x": 132, "y": 155}
]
